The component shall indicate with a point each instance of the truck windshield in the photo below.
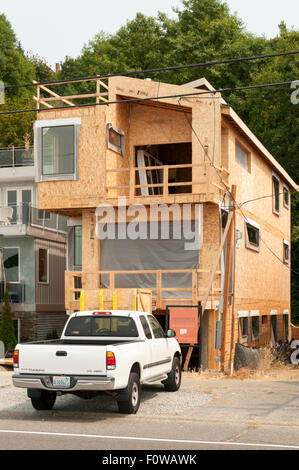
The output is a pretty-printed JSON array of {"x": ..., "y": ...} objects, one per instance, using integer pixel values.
[{"x": 102, "y": 326}]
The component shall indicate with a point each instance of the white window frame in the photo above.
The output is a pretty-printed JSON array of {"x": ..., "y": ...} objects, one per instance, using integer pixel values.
[
  {"x": 241, "y": 315},
  {"x": 286, "y": 243},
  {"x": 245, "y": 150},
  {"x": 38, "y": 149},
  {"x": 285, "y": 189},
  {"x": 111, "y": 146},
  {"x": 47, "y": 281},
  {"x": 256, "y": 226},
  {"x": 274, "y": 210}
]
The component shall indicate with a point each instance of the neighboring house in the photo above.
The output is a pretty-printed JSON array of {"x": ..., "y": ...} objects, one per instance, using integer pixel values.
[
  {"x": 34, "y": 250},
  {"x": 183, "y": 152}
]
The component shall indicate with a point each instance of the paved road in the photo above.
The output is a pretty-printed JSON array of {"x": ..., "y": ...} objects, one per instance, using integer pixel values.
[{"x": 204, "y": 414}]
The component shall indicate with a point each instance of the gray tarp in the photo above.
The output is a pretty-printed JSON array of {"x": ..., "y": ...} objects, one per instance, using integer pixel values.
[{"x": 148, "y": 254}]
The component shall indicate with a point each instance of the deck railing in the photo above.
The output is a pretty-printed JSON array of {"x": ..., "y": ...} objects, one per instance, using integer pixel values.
[
  {"x": 76, "y": 281},
  {"x": 205, "y": 178}
]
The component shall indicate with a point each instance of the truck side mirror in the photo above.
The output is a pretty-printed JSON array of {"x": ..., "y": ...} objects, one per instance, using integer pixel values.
[{"x": 171, "y": 334}]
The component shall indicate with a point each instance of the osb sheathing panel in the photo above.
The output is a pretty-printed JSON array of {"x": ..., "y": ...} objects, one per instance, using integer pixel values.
[
  {"x": 254, "y": 184},
  {"x": 91, "y": 162}
]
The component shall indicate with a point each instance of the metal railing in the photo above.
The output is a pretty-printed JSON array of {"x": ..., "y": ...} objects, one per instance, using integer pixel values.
[
  {"x": 28, "y": 214},
  {"x": 16, "y": 157}
]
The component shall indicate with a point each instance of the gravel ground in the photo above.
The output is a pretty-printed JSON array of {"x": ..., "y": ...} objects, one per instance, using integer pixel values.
[{"x": 154, "y": 400}]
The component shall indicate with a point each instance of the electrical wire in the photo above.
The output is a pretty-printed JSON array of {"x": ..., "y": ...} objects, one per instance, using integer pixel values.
[
  {"x": 136, "y": 100},
  {"x": 160, "y": 69}
]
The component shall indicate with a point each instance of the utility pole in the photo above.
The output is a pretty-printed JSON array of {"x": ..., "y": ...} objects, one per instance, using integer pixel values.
[{"x": 230, "y": 238}]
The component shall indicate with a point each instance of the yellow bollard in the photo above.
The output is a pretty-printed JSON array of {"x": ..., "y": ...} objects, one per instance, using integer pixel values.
[
  {"x": 101, "y": 299},
  {"x": 82, "y": 301}
]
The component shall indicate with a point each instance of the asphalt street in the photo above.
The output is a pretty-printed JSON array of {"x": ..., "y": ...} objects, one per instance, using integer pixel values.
[{"x": 205, "y": 414}]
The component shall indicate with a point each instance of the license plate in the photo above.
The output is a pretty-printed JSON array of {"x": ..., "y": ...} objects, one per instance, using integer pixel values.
[{"x": 61, "y": 382}]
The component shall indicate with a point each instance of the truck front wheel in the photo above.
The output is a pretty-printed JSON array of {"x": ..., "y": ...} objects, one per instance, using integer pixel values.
[
  {"x": 45, "y": 401},
  {"x": 173, "y": 382},
  {"x": 129, "y": 400}
]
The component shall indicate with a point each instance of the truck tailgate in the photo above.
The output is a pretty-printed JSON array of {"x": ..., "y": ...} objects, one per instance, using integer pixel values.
[{"x": 62, "y": 359}]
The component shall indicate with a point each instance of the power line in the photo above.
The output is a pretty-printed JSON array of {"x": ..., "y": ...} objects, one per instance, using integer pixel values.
[
  {"x": 160, "y": 69},
  {"x": 136, "y": 100}
]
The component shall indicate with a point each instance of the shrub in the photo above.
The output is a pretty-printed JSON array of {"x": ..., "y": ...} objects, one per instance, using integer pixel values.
[{"x": 7, "y": 332}]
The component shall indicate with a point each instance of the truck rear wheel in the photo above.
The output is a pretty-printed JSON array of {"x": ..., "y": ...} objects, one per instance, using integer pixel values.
[
  {"x": 173, "y": 382},
  {"x": 45, "y": 401},
  {"x": 129, "y": 400}
]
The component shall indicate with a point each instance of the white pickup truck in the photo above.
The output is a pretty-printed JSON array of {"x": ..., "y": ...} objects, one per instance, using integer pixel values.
[{"x": 100, "y": 351}]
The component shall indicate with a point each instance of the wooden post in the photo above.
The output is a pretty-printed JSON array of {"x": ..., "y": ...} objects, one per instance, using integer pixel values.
[{"x": 230, "y": 238}]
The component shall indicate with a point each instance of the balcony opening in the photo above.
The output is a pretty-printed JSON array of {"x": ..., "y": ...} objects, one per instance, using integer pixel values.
[{"x": 171, "y": 156}]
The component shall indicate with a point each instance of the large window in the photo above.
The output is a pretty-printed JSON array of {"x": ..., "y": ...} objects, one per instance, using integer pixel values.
[
  {"x": 56, "y": 144},
  {"x": 58, "y": 150},
  {"x": 11, "y": 261}
]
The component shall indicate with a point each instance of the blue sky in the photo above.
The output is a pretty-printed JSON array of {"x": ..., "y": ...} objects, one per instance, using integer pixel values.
[{"x": 57, "y": 28}]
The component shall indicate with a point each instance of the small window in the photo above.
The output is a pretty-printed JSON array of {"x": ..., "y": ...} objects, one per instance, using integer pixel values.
[
  {"x": 276, "y": 201},
  {"x": 156, "y": 327},
  {"x": 286, "y": 197},
  {"x": 78, "y": 245},
  {"x": 243, "y": 327},
  {"x": 43, "y": 265},
  {"x": 252, "y": 235},
  {"x": 286, "y": 252},
  {"x": 286, "y": 326},
  {"x": 242, "y": 157},
  {"x": 145, "y": 327},
  {"x": 255, "y": 325},
  {"x": 115, "y": 139}
]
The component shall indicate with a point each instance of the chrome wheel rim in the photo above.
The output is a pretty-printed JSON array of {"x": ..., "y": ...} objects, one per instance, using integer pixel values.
[
  {"x": 135, "y": 394},
  {"x": 177, "y": 375}
]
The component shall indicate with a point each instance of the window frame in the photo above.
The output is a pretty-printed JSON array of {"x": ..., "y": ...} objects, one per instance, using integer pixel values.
[
  {"x": 243, "y": 314},
  {"x": 255, "y": 314},
  {"x": 38, "y": 148},
  {"x": 19, "y": 262},
  {"x": 248, "y": 156},
  {"x": 47, "y": 251},
  {"x": 118, "y": 149},
  {"x": 286, "y": 243},
  {"x": 255, "y": 226},
  {"x": 274, "y": 209},
  {"x": 285, "y": 190}
]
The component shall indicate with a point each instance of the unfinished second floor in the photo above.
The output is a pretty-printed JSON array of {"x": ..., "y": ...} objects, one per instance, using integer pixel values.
[{"x": 154, "y": 143}]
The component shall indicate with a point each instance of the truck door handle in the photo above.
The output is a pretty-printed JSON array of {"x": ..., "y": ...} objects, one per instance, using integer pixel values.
[{"x": 61, "y": 353}]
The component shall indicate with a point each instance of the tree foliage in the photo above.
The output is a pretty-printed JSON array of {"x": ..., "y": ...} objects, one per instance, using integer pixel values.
[{"x": 7, "y": 332}]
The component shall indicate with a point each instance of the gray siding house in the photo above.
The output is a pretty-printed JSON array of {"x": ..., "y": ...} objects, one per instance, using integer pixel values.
[{"x": 34, "y": 245}]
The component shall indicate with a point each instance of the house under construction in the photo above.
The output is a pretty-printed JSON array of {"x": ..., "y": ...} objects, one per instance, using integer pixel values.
[{"x": 171, "y": 201}]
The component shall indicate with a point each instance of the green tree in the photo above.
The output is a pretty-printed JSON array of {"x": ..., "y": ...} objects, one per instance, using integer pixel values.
[{"x": 7, "y": 333}]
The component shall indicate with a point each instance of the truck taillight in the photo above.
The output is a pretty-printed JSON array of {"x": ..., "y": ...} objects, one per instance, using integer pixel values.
[
  {"x": 16, "y": 358},
  {"x": 110, "y": 360}
]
